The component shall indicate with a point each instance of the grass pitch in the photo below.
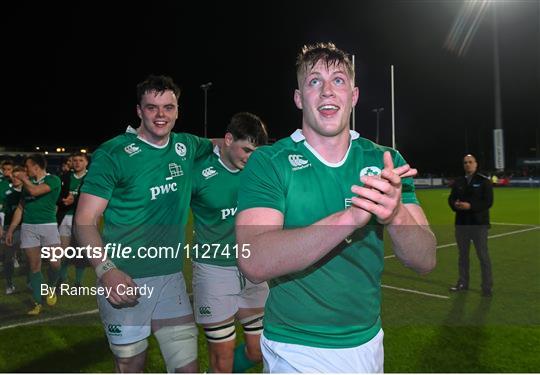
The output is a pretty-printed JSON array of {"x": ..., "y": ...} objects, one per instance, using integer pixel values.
[{"x": 427, "y": 329}]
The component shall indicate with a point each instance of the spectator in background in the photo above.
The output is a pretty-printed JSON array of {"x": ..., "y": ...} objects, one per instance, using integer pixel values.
[{"x": 471, "y": 198}]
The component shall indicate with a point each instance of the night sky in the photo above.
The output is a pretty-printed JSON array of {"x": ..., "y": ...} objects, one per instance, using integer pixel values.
[{"x": 70, "y": 71}]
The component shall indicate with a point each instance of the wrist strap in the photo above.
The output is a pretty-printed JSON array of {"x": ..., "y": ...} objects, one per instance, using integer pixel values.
[{"x": 104, "y": 267}]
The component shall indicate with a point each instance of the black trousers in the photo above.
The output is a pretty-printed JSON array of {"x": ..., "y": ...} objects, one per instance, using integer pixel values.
[{"x": 478, "y": 235}]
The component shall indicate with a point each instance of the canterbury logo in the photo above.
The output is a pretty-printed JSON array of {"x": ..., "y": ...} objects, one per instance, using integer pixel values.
[
  {"x": 297, "y": 161},
  {"x": 209, "y": 172},
  {"x": 132, "y": 149},
  {"x": 114, "y": 328},
  {"x": 205, "y": 310}
]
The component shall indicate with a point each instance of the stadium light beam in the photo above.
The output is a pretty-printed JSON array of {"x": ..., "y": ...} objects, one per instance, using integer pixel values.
[{"x": 458, "y": 41}]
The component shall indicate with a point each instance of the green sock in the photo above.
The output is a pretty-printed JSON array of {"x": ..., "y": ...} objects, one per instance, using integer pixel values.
[
  {"x": 36, "y": 280},
  {"x": 79, "y": 272},
  {"x": 63, "y": 271},
  {"x": 241, "y": 361},
  {"x": 53, "y": 276}
]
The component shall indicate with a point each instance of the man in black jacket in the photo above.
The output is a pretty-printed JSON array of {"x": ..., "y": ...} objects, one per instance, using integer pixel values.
[{"x": 471, "y": 199}]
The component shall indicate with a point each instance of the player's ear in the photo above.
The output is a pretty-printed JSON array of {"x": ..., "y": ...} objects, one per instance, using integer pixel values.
[
  {"x": 355, "y": 96},
  {"x": 298, "y": 99},
  {"x": 139, "y": 111},
  {"x": 229, "y": 139}
]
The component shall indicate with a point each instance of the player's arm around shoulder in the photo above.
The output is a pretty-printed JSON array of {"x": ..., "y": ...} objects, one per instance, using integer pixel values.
[{"x": 33, "y": 189}]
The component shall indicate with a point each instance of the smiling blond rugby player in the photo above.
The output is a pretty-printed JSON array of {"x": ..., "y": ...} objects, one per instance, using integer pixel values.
[{"x": 313, "y": 207}]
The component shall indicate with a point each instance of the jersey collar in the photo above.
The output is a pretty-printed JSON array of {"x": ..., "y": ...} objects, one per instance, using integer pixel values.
[
  {"x": 36, "y": 181},
  {"x": 132, "y": 130},
  {"x": 216, "y": 151},
  {"x": 298, "y": 136},
  {"x": 77, "y": 177}
]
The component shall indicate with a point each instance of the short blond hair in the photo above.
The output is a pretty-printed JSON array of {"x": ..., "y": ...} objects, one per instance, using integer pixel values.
[{"x": 311, "y": 54}]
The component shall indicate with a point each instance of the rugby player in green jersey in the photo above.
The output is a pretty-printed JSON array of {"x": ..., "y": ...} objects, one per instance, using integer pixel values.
[
  {"x": 140, "y": 182},
  {"x": 313, "y": 208},
  {"x": 10, "y": 198},
  {"x": 37, "y": 211},
  {"x": 71, "y": 183},
  {"x": 220, "y": 292},
  {"x": 6, "y": 169}
]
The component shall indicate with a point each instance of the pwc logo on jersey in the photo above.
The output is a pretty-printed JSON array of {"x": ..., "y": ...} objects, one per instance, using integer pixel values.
[
  {"x": 209, "y": 173},
  {"x": 298, "y": 162},
  {"x": 175, "y": 171},
  {"x": 370, "y": 171},
  {"x": 226, "y": 212},
  {"x": 132, "y": 149}
]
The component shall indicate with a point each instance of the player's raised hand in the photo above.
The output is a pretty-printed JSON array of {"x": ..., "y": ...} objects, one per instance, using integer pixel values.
[
  {"x": 405, "y": 171},
  {"x": 381, "y": 195}
]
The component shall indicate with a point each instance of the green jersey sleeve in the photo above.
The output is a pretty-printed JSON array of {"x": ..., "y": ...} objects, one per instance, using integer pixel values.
[
  {"x": 202, "y": 146},
  {"x": 261, "y": 184},
  {"x": 408, "y": 194},
  {"x": 102, "y": 175},
  {"x": 53, "y": 182}
]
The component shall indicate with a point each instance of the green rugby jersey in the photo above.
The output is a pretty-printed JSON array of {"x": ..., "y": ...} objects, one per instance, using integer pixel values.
[
  {"x": 42, "y": 209},
  {"x": 213, "y": 202},
  {"x": 336, "y": 302},
  {"x": 5, "y": 186},
  {"x": 11, "y": 198},
  {"x": 148, "y": 189},
  {"x": 74, "y": 183}
]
